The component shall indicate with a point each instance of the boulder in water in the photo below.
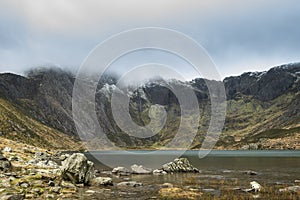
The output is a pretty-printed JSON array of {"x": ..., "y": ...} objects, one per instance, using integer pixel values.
[
  {"x": 140, "y": 169},
  {"x": 159, "y": 172},
  {"x": 121, "y": 171},
  {"x": 179, "y": 165}
]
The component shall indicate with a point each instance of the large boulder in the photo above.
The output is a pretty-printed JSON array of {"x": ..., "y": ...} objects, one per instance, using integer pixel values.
[
  {"x": 78, "y": 169},
  {"x": 5, "y": 165},
  {"x": 179, "y": 165}
]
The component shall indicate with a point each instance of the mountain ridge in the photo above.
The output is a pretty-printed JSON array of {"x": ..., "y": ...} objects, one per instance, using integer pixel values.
[{"x": 257, "y": 102}]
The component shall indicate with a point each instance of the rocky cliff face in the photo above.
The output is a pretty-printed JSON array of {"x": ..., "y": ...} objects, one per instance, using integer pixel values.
[
  {"x": 264, "y": 86},
  {"x": 257, "y": 102}
]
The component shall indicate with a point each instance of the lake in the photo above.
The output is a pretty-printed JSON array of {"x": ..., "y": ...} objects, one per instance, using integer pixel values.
[
  {"x": 216, "y": 159},
  {"x": 221, "y": 171}
]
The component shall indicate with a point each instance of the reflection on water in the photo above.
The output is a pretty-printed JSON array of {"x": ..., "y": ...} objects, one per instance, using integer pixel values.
[
  {"x": 219, "y": 170},
  {"x": 236, "y": 160}
]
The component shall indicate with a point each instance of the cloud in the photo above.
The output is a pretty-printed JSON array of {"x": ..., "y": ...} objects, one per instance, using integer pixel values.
[
  {"x": 65, "y": 16},
  {"x": 239, "y": 35}
]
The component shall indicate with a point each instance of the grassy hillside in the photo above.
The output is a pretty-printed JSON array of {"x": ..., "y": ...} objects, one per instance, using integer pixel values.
[
  {"x": 249, "y": 121},
  {"x": 16, "y": 125}
]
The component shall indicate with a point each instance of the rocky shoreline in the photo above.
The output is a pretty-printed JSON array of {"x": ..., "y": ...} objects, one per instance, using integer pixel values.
[
  {"x": 28, "y": 172},
  {"x": 33, "y": 173}
]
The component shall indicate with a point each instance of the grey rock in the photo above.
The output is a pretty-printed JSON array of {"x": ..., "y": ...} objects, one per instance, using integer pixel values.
[
  {"x": 5, "y": 183},
  {"x": 101, "y": 181},
  {"x": 64, "y": 157},
  {"x": 252, "y": 146},
  {"x": 7, "y": 149},
  {"x": 139, "y": 169},
  {"x": 159, "y": 172},
  {"x": 12, "y": 197},
  {"x": 90, "y": 191},
  {"x": 212, "y": 191},
  {"x": 51, "y": 183},
  {"x": 179, "y": 165},
  {"x": 47, "y": 164},
  {"x": 5, "y": 165},
  {"x": 167, "y": 185},
  {"x": 255, "y": 186},
  {"x": 24, "y": 185},
  {"x": 295, "y": 189},
  {"x": 50, "y": 196},
  {"x": 130, "y": 183},
  {"x": 77, "y": 169},
  {"x": 38, "y": 190},
  {"x": 40, "y": 156},
  {"x": 121, "y": 170},
  {"x": 55, "y": 189},
  {"x": 212, "y": 176},
  {"x": 66, "y": 184},
  {"x": 262, "y": 85},
  {"x": 250, "y": 172}
]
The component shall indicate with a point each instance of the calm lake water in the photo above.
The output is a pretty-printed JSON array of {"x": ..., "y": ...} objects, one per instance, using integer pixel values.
[
  {"x": 282, "y": 164},
  {"x": 219, "y": 170},
  {"x": 237, "y": 160}
]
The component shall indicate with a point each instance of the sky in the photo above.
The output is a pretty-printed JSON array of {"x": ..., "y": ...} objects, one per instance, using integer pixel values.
[{"x": 239, "y": 36}]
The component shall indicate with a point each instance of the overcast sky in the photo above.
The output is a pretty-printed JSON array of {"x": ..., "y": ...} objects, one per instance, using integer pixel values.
[{"x": 239, "y": 35}]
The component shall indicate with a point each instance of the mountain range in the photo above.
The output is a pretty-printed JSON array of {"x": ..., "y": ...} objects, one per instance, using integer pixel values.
[{"x": 263, "y": 110}]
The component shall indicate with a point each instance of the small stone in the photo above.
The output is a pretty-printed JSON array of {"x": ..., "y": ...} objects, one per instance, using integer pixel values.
[
  {"x": 55, "y": 189},
  {"x": 5, "y": 165},
  {"x": 69, "y": 190},
  {"x": 295, "y": 189},
  {"x": 101, "y": 181},
  {"x": 167, "y": 185},
  {"x": 139, "y": 169},
  {"x": 209, "y": 190},
  {"x": 64, "y": 157},
  {"x": 32, "y": 162},
  {"x": 122, "y": 170},
  {"x": 12, "y": 197},
  {"x": 130, "y": 183},
  {"x": 105, "y": 172},
  {"x": 178, "y": 193},
  {"x": 40, "y": 156},
  {"x": 50, "y": 196},
  {"x": 90, "y": 191},
  {"x": 159, "y": 172},
  {"x": 38, "y": 190},
  {"x": 30, "y": 196},
  {"x": 80, "y": 185},
  {"x": 24, "y": 185},
  {"x": 51, "y": 183},
  {"x": 67, "y": 184},
  {"x": 252, "y": 173},
  {"x": 7, "y": 149},
  {"x": 5, "y": 184},
  {"x": 255, "y": 186}
]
